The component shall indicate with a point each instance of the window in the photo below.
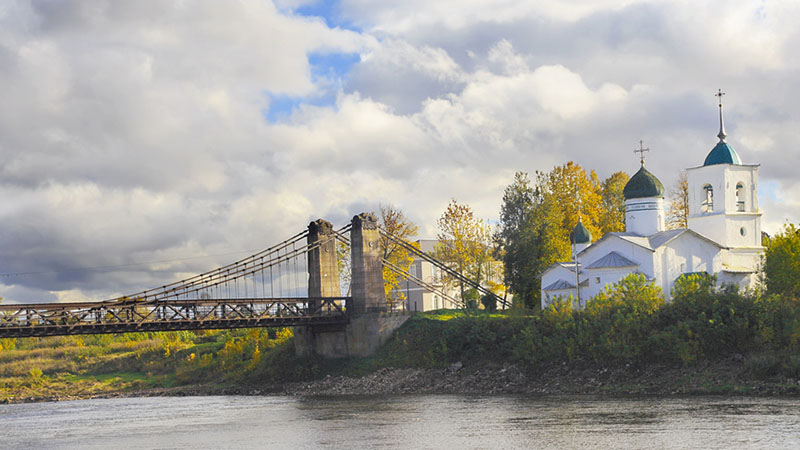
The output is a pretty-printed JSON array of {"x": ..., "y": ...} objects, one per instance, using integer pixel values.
[
  {"x": 708, "y": 203},
  {"x": 740, "y": 197}
]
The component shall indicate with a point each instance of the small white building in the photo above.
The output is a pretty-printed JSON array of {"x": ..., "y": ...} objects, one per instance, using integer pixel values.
[
  {"x": 433, "y": 293},
  {"x": 423, "y": 298},
  {"x": 723, "y": 235}
]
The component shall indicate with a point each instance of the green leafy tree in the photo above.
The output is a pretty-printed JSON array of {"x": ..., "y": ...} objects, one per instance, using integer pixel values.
[
  {"x": 782, "y": 262},
  {"x": 528, "y": 238},
  {"x": 535, "y": 222}
]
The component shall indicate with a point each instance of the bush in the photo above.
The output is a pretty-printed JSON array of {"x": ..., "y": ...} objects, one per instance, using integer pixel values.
[{"x": 489, "y": 302}]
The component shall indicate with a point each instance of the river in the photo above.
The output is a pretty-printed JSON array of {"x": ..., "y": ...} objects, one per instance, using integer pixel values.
[{"x": 403, "y": 422}]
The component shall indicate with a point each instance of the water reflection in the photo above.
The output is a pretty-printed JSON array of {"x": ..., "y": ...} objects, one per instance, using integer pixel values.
[{"x": 404, "y": 422}]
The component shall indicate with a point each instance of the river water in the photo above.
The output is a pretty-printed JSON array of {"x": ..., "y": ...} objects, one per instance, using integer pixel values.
[{"x": 403, "y": 422}]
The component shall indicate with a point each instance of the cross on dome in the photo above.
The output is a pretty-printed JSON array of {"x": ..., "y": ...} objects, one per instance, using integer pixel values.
[
  {"x": 721, "y": 134},
  {"x": 641, "y": 151}
]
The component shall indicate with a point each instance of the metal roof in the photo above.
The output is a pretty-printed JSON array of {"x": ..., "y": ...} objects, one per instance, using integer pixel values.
[
  {"x": 722, "y": 153},
  {"x": 643, "y": 184},
  {"x": 612, "y": 259},
  {"x": 559, "y": 285}
]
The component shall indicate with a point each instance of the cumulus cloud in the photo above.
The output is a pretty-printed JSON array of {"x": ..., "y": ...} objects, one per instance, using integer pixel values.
[{"x": 134, "y": 138}]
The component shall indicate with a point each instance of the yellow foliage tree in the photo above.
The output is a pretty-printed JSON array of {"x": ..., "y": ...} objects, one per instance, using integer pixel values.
[
  {"x": 396, "y": 223},
  {"x": 464, "y": 242},
  {"x": 612, "y": 215},
  {"x": 575, "y": 194}
]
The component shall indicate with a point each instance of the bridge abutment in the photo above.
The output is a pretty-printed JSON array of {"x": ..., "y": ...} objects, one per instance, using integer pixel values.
[{"x": 370, "y": 323}]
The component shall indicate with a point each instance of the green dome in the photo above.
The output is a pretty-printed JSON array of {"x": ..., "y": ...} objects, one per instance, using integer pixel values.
[
  {"x": 580, "y": 234},
  {"x": 722, "y": 153},
  {"x": 643, "y": 184}
]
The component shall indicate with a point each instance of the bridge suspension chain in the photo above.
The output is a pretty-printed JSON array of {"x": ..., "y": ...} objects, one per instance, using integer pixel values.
[
  {"x": 419, "y": 281},
  {"x": 442, "y": 266}
]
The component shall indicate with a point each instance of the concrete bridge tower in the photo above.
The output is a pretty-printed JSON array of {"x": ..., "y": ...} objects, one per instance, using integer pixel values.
[{"x": 370, "y": 323}]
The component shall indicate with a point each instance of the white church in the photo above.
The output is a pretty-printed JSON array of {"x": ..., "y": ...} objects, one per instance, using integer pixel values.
[{"x": 723, "y": 235}]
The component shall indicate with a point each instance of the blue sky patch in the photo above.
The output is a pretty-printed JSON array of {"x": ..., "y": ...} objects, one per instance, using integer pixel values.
[
  {"x": 330, "y": 11},
  {"x": 332, "y": 66},
  {"x": 328, "y": 70}
]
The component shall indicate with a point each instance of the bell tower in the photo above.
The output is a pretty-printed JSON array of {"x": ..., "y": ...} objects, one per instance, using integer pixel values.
[{"x": 723, "y": 196}]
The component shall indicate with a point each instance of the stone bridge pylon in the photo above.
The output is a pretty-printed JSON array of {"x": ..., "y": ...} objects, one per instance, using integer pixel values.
[{"x": 370, "y": 323}]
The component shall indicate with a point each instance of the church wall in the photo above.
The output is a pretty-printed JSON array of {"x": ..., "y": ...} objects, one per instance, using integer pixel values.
[
  {"x": 598, "y": 279},
  {"x": 550, "y": 296},
  {"x": 743, "y": 230},
  {"x": 742, "y": 280},
  {"x": 635, "y": 253},
  {"x": 609, "y": 275},
  {"x": 550, "y": 276},
  {"x": 685, "y": 254},
  {"x": 749, "y": 259}
]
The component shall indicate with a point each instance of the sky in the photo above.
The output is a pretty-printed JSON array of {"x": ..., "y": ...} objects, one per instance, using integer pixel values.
[{"x": 142, "y": 142}]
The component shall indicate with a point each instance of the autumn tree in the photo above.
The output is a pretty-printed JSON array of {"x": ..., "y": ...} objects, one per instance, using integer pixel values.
[
  {"x": 394, "y": 222},
  {"x": 464, "y": 243},
  {"x": 535, "y": 221},
  {"x": 612, "y": 211},
  {"x": 678, "y": 213},
  {"x": 577, "y": 194},
  {"x": 527, "y": 237}
]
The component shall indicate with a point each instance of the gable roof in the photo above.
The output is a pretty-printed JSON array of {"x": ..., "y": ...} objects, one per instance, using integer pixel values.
[
  {"x": 569, "y": 265},
  {"x": 652, "y": 242},
  {"x": 612, "y": 259},
  {"x": 559, "y": 285}
]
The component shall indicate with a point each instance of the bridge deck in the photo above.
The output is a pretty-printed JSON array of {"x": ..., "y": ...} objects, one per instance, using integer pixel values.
[{"x": 53, "y": 319}]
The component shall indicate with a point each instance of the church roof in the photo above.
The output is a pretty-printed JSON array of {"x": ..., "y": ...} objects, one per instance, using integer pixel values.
[
  {"x": 643, "y": 184},
  {"x": 558, "y": 285},
  {"x": 580, "y": 234},
  {"x": 652, "y": 242},
  {"x": 722, "y": 153},
  {"x": 611, "y": 259}
]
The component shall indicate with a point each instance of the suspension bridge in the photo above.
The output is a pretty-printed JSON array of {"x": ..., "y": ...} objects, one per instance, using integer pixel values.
[{"x": 293, "y": 283}]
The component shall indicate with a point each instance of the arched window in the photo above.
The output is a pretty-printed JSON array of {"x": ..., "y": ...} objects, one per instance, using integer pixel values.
[
  {"x": 708, "y": 203},
  {"x": 739, "y": 197}
]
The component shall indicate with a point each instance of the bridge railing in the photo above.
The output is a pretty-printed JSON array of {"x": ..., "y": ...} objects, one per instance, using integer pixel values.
[{"x": 108, "y": 317}]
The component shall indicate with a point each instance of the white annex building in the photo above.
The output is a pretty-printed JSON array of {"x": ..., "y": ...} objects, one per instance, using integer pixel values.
[{"x": 723, "y": 235}]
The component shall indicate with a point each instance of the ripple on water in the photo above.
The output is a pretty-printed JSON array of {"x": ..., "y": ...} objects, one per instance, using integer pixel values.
[{"x": 401, "y": 422}]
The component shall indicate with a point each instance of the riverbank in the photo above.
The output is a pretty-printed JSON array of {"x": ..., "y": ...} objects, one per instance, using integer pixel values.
[
  {"x": 726, "y": 377},
  {"x": 714, "y": 345}
]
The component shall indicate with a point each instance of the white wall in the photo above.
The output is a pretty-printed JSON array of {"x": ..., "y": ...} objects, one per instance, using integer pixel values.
[
  {"x": 725, "y": 223},
  {"x": 685, "y": 254},
  {"x": 644, "y": 216}
]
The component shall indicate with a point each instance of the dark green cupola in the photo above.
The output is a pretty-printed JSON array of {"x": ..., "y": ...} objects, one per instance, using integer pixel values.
[
  {"x": 643, "y": 184},
  {"x": 580, "y": 234}
]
